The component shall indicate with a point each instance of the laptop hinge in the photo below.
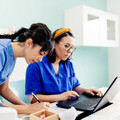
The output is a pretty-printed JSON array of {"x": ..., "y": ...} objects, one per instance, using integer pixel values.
[{"x": 83, "y": 115}]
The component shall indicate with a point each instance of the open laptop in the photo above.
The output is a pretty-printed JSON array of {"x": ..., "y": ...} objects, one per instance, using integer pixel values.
[{"x": 93, "y": 103}]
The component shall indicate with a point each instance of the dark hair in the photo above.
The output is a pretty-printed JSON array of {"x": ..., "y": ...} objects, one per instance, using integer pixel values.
[
  {"x": 52, "y": 57},
  {"x": 38, "y": 32}
]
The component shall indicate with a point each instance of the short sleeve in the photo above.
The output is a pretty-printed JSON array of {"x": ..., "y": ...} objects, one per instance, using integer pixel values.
[
  {"x": 2, "y": 65},
  {"x": 75, "y": 81},
  {"x": 33, "y": 83},
  {"x": 2, "y": 60}
]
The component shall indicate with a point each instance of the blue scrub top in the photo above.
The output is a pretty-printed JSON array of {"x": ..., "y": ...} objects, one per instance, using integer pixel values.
[
  {"x": 7, "y": 61},
  {"x": 42, "y": 79}
]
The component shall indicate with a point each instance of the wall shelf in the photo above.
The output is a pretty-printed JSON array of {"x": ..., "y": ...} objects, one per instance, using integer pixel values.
[{"x": 92, "y": 27}]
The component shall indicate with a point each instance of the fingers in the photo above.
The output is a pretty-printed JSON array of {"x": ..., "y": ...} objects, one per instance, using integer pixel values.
[
  {"x": 38, "y": 106},
  {"x": 90, "y": 92},
  {"x": 94, "y": 91},
  {"x": 45, "y": 105},
  {"x": 46, "y": 108},
  {"x": 76, "y": 94},
  {"x": 72, "y": 94},
  {"x": 100, "y": 94}
]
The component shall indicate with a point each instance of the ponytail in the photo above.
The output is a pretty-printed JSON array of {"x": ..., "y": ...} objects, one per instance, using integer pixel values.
[
  {"x": 38, "y": 32},
  {"x": 16, "y": 34}
]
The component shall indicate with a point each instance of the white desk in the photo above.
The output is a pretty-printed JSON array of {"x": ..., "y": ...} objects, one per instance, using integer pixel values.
[{"x": 111, "y": 112}]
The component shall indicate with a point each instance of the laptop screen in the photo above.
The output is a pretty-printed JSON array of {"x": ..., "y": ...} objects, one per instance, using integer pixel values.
[{"x": 109, "y": 94}]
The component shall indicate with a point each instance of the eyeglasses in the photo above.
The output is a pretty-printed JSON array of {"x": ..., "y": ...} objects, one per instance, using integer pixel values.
[{"x": 68, "y": 47}]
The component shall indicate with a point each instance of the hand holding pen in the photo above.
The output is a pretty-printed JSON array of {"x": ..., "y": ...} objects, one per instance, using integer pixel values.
[
  {"x": 35, "y": 97},
  {"x": 44, "y": 105}
]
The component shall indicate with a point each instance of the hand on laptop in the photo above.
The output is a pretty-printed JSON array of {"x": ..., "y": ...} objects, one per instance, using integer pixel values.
[
  {"x": 68, "y": 95},
  {"x": 81, "y": 90},
  {"x": 94, "y": 92}
]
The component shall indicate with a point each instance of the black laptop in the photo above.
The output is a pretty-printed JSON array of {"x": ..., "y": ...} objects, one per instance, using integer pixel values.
[{"x": 93, "y": 103}]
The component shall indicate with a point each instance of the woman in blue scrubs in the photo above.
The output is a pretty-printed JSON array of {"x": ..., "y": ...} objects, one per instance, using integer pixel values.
[
  {"x": 54, "y": 78},
  {"x": 32, "y": 44}
]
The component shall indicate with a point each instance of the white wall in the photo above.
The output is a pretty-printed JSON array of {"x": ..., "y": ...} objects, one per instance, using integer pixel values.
[
  {"x": 90, "y": 63},
  {"x": 19, "y": 70},
  {"x": 113, "y": 6}
]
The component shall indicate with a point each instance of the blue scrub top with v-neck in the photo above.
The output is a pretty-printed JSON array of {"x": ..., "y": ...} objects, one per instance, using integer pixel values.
[
  {"x": 42, "y": 79},
  {"x": 7, "y": 61}
]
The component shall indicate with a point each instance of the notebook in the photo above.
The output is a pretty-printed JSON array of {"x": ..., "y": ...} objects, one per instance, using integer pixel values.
[{"x": 93, "y": 103}]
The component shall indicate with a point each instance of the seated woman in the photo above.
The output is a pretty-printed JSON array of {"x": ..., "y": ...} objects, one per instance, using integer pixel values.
[{"x": 53, "y": 79}]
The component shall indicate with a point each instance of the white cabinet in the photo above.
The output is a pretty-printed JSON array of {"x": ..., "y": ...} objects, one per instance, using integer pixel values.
[{"x": 92, "y": 27}]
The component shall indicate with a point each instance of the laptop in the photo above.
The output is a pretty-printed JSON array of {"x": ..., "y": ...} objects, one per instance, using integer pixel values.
[{"x": 91, "y": 103}]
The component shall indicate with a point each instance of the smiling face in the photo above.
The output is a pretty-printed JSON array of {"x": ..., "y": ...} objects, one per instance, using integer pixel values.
[
  {"x": 64, "y": 48},
  {"x": 33, "y": 53}
]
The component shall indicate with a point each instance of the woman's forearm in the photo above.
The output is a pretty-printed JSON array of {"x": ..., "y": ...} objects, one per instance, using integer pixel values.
[
  {"x": 79, "y": 89},
  {"x": 11, "y": 97},
  {"x": 21, "y": 109},
  {"x": 47, "y": 98},
  {"x": 6, "y": 92},
  {"x": 28, "y": 109}
]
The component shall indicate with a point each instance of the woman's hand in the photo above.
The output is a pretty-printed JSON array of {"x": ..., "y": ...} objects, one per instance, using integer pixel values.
[
  {"x": 93, "y": 92},
  {"x": 81, "y": 90},
  {"x": 38, "y": 107},
  {"x": 68, "y": 95}
]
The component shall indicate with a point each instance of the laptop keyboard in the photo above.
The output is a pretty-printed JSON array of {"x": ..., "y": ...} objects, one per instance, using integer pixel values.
[{"x": 86, "y": 102}]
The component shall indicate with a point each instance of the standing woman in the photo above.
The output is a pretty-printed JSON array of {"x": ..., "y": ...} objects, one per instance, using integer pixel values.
[{"x": 32, "y": 44}]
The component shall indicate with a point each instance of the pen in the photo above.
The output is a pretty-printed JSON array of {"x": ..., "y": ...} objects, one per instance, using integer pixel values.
[{"x": 35, "y": 97}]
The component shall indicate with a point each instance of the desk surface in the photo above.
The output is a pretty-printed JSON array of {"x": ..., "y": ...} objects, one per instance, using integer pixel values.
[{"x": 111, "y": 112}]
